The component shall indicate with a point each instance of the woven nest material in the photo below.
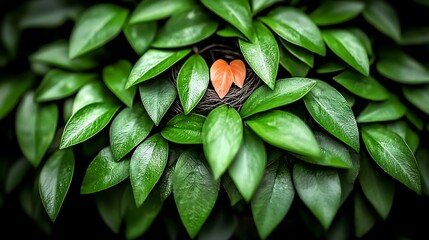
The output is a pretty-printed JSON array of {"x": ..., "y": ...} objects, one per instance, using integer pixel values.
[{"x": 235, "y": 97}]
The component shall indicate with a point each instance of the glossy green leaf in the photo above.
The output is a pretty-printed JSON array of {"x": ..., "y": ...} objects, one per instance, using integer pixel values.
[
  {"x": 351, "y": 100},
  {"x": 152, "y": 63},
  {"x": 86, "y": 123},
  {"x": 378, "y": 187},
  {"x": 186, "y": 28},
  {"x": 383, "y": 16},
  {"x": 147, "y": 165},
  {"x": 418, "y": 96},
  {"x": 104, "y": 172},
  {"x": 348, "y": 176},
  {"x": 195, "y": 190},
  {"x": 364, "y": 216},
  {"x": 108, "y": 204},
  {"x": 286, "y": 91},
  {"x": 363, "y": 37},
  {"x": 262, "y": 54},
  {"x": 230, "y": 188},
  {"x": 139, "y": 219},
  {"x": 35, "y": 126},
  {"x": 273, "y": 198},
  {"x": 422, "y": 156},
  {"x": 56, "y": 54},
  {"x": 296, "y": 27},
  {"x": 348, "y": 47},
  {"x": 92, "y": 92},
  {"x": 247, "y": 168},
  {"x": 12, "y": 88},
  {"x": 140, "y": 35},
  {"x": 403, "y": 68},
  {"x": 319, "y": 189},
  {"x": 222, "y": 133},
  {"x": 402, "y": 128},
  {"x": 115, "y": 76},
  {"x": 166, "y": 182},
  {"x": 390, "y": 109},
  {"x": 157, "y": 96},
  {"x": 58, "y": 84},
  {"x": 414, "y": 119},
  {"x": 54, "y": 181},
  {"x": 333, "y": 152},
  {"x": 184, "y": 129},
  {"x": 95, "y": 27},
  {"x": 362, "y": 86},
  {"x": 331, "y": 111},
  {"x": 235, "y": 12},
  {"x": 230, "y": 31},
  {"x": 292, "y": 64},
  {"x": 129, "y": 128},
  {"x": 415, "y": 36},
  {"x": 393, "y": 155},
  {"x": 286, "y": 131},
  {"x": 259, "y": 5},
  {"x": 299, "y": 52},
  {"x": 192, "y": 82},
  {"x": 329, "y": 13},
  {"x": 330, "y": 66},
  {"x": 151, "y": 10}
]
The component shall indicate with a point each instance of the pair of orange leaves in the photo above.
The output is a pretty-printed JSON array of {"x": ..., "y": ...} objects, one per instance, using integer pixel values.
[{"x": 222, "y": 75}]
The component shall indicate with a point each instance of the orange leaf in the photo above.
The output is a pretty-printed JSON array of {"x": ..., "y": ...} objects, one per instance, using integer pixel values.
[{"x": 223, "y": 75}]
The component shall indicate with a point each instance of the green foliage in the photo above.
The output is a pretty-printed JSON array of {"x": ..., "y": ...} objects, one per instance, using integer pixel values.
[{"x": 110, "y": 123}]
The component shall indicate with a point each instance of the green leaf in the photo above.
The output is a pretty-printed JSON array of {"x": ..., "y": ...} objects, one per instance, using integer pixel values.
[
  {"x": 402, "y": 128},
  {"x": 184, "y": 129},
  {"x": 418, "y": 96},
  {"x": 393, "y": 155},
  {"x": 329, "y": 13},
  {"x": 54, "y": 181},
  {"x": 58, "y": 84},
  {"x": 222, "y": 133},
  {"x": 186, "y": 28},
  {"x": 140, "y": 35},
  {"x": 230, "y": 188},
  {"x": 296, "y": 27},
  {"x": 414, "y": 119},
  {"x": 259, "y": 5},
  {"x": 348, "y": 176},
  {"x": 166, "y": 182},
  {"x": 230, "y": 31},
  {"x": 292, "y": 64},
  {"x": 235, "y": 12},
  {"x": 286, "y": 131},
  {"x": 333, "y": 152},
  {"x": 56, "y": 54},
  {"x": 247, "y": 168},
  {"x": 331, "y": 111},
  {"x": 378, "y": 188},
  {"x": 147, "y": 165},
  {"x": 273, "y": 198},
  {"x": 139, "y": 219},
  {"x": 16, "y": 174},
  {"x": 330, "y": 66},
  {"x": 364, "y": 216},
  {"x": 108, "y": 204},
  {"x": 152, "y": 63},
  {"x": 401, "y": 67},
  {"x": 286, "y": 91},
  {"x": 35, "y": 127},
  {"x": 129, "y": 128},
  {"x": 415, "y": 36},
  {"x": 115, "y": 77},
  {"x": 151, "y": 10},
  {"x": 221, "y": 225},
  {"x": 157, "y": 96},
  {"x": 95, "y": 27},
  {"x": 12, "y": 88},
  {"x": 262, "y": 54},
  {"x": 362, "y": 86},
  {"x": 348, "y": 47},
  {"x": 192, "y": 82},
  {"x": 195, "y": 190},
  {"x": 363, "y": 37},
  {"x": 86, "y": 123},
  {"x": 422, "y": 156},
  {"x": 104, "y": 172},
  {"x": 383, "y": 16},
  {"x": 319, "y": 189},
  {"x": 390, "y": 109},
  {"x": 92, "y": 92},
  {"x": 299, "y": 52}
]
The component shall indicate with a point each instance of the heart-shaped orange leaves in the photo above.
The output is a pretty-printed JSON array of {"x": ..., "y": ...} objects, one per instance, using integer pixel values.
[{"x": 223, "y": 75}]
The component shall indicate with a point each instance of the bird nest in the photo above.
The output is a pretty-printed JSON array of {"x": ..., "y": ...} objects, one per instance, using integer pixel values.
[{"x": 236, "y": 96}]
